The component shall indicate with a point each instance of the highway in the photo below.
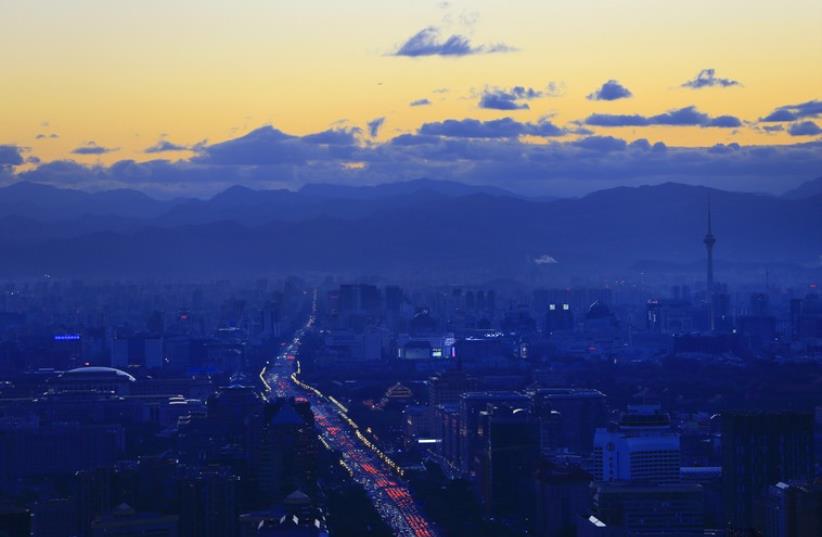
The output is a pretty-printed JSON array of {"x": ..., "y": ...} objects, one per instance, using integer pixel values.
[{"x": 366, "y": 464}]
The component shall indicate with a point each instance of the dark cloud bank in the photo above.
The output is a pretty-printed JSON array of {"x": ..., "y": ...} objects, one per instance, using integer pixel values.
[{"x": 468, "y": 150}]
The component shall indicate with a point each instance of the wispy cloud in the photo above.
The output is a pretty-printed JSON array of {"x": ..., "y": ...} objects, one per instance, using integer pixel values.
[
  {"x": 428, "y": 42},
  {"x": 707, "y": 79},
  {"x": 420, "y": 102},
  {"x": 91, "y": 148},
  {"x": 508, "y": 99},
  {"x": 164, "y": 146},
  {"x": 687, "y": 116},
  {"x": 497, "y": 128},
  {"x": 792, "y": 112},
  {"x": 375, "y": 125}
]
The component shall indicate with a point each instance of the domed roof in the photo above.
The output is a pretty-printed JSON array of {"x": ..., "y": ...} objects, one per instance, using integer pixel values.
[
  {"x": 99, "y": 370},
  {"x": 598, "y": 310}
]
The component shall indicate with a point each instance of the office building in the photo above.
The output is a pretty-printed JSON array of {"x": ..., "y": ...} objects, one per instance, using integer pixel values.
[
  {"x": 642, "y": 447},
  {"x": 760, "y": 449}
]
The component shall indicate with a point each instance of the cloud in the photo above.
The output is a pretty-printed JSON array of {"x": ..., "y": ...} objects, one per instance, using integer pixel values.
[
  {"x": 687, "y": 116},
  {"x": 338, "y": 136},
  {"x": 617, "y": 120},
  {"x": 427, "y": 42},
  {"x": 804, "y": 128},
  {"x": 413, "y": 139},
  {"x": 10, "y": 155},
  {"x": 164, "y": 146},
  {"x": 724, "y": 122},
  {"x": 420, "y": 102},
  {"x": 497, "y": 128},
  {"x": 375, "y": 125},
  {"x": 478, "y": 152},
  {"x": 724, "y": 148},
  {"x": 554, "y": 89},
  {"x": 91, "y": 148},
  {"x": 601, "y": 143},
  {"x": 773, "y": 128},
  {"x": 707, "y": 79},
  {"x": 792, "y": 112},
  {"x": 502, "y": 99},
  {"x": 263, "y": 146},
  {"x": 473, "y": 128},
  {"x": 44, "y": 136},
  {"x": 682, "y": 116},
  {"x": 610, "y": 91}
]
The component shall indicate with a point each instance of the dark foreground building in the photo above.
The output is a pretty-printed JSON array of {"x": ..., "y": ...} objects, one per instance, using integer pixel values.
[{"x": 760, "y": 449}]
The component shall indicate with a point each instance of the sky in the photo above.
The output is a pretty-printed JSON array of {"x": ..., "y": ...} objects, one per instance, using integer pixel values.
[{"x": 546, "y": 97}]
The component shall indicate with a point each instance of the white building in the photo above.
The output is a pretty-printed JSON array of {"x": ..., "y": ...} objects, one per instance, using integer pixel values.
[{"x": 642, "y": 448}]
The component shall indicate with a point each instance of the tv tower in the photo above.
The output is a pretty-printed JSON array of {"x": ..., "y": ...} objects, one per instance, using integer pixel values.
[{"x": 710, "y": 241}]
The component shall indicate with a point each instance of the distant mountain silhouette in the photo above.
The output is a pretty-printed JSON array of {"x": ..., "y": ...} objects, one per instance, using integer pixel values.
[
  {"x": 446, "y": 188},
  {"x": 420, "y": 233},
  {"x": 48, "y": 203},
  {"x": 238, "y": 203},
  {"x": 807, "y": 189}
]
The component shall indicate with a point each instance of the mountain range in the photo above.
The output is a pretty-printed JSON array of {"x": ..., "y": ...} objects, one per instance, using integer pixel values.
[{"x": 423, "y": 227}]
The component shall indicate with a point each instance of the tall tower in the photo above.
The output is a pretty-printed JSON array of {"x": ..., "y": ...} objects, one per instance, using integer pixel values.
[{"x": 709, "y": 241}]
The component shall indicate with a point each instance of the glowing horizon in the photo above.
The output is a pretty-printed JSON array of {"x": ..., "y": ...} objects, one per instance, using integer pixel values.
[{"x": 126, "y": 76}]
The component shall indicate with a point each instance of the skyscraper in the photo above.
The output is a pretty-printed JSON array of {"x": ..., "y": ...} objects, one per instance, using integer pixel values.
[
  {"x": 760, "y": 449},
  {"x": 574, "y": 414},
  {"x": 710, "y": 241}
]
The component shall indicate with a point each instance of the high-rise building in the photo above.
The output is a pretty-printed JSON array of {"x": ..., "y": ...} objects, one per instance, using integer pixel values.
[
  {"x": 281, "y": 451},
  {"x": 446, "y": 387},
  {"x": 15, "y": 521},
  {"x": 806, "y": 317},
  {"x": 710, "y": 241},
  {"x": 562, "y": 495},
  {"x": 94, "y": 496},
  {"x": 669, "y": 316},
  {"x": 55, "y": 517},
  {"x": 569, "y": 417},
  {"x": 791, "y": 509},
  {"x": 760, "y": 449},
  {"x": 643, "y": 447},
  {"x": 641, "y": 509},
  {"x": 124, "y": 521},
  {"x": 472, "y": 405},
  {"x": 509, "y": 460},
  {"x": 208, "y": 503},
  {"x": 558, "y": 317}
]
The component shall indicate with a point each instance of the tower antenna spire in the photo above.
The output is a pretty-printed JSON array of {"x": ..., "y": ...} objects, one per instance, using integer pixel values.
[{"x": 709, "y": 213}]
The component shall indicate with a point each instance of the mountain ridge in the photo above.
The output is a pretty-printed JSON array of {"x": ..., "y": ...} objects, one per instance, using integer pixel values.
[{"x": 428, "y": 233}]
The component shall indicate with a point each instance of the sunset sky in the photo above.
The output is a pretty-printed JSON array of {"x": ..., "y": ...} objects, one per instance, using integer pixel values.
[{"x": 162, "y": 95}]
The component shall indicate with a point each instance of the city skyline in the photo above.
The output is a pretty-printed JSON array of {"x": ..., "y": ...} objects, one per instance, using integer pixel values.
[{"x": 450, "y": 268}]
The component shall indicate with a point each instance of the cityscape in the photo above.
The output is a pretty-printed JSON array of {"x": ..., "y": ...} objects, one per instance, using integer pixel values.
[{"x": 372, "y": 270}]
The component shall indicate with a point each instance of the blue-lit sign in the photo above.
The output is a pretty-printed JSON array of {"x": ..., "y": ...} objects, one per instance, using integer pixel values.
[{"x": 67, "y": 337}]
